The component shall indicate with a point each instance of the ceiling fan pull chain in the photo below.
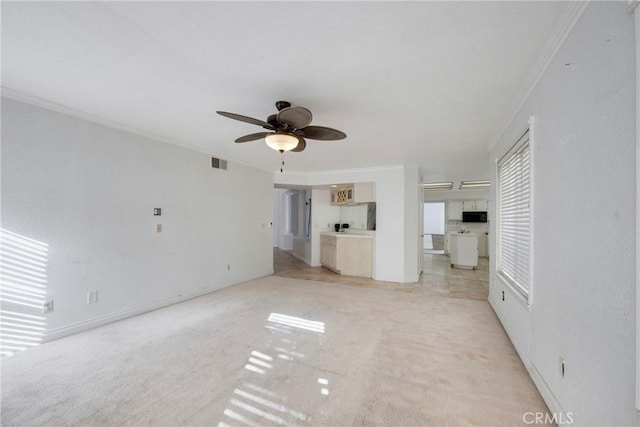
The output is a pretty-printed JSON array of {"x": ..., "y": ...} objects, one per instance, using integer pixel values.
[{"x": 282, "y": 157}]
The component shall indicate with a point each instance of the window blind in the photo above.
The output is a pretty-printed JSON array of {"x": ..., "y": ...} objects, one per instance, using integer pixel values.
[{"x": 514, "y": 215}]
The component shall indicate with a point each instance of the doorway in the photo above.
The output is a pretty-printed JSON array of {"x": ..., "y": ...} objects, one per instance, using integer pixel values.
[{"x": 434, "y": 226}]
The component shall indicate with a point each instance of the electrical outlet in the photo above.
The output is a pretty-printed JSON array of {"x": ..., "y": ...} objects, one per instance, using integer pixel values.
[
  {"x": 158, "y": 228},
  {"x": 47, "y": 307},
  {"x": 92, "y": 297}
]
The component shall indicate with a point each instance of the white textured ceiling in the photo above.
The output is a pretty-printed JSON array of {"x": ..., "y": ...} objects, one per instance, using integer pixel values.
[{"x": 422, "y": 82}]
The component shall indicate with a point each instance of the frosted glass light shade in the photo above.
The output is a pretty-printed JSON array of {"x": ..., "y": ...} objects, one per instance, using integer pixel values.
[{"x": 281, "y": 141}]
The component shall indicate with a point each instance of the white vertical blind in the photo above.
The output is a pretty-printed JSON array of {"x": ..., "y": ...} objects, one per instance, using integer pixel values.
[{"x": 514, "y": 215}]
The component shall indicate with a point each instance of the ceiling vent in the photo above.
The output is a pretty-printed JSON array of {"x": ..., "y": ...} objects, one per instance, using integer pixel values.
[{"x": 218, "y": 163}]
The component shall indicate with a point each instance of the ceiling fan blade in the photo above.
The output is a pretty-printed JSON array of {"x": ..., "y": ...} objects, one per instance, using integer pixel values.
[
  {"x": 245, "y": 119},
  {"x": 302, "y": 144},
  {"x": 252, "y": 137},
  {"x": 323, "y": 133},
  {"x": 295, "y": 117}
]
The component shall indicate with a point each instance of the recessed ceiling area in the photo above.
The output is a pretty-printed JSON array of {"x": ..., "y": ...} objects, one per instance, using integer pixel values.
[{"x": 424, "y": 82}]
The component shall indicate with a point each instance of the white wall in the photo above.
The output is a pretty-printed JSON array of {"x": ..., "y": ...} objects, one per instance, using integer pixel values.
[
  {"x": 637, "y": 26},
  {"x": 584, "y": 224},
  {"x": 397, "y": 215},
  {"x": 88, "y": 191},
  {"x": 412, "y": 219},
  {"x": 283, "y": 237}
]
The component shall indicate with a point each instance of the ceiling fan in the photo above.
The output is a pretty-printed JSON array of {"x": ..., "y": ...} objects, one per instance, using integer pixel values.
[{"x": 289, "y": 128}]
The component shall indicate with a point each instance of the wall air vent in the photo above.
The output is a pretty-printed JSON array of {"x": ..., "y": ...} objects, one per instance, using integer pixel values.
[{"x": 218, "y": 163}]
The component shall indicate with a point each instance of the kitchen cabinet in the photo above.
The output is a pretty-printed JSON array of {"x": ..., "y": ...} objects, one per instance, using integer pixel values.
[
  {"x": 352, "y": 194},
  {"x": 464, "y": 250},
  {"x": 454, "y": 210},
  {"x": 483, "y": 245},
  {"x": 348, "y": 254},
  {"x": 474, "y": 205},
  {"x": 328, "y": 252},
  {"x": 341, "y": 196},
  {"x": 363, "y": 192}
]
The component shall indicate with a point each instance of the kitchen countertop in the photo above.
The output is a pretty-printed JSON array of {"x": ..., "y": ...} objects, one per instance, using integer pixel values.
[{"x": 343, "y": 234}]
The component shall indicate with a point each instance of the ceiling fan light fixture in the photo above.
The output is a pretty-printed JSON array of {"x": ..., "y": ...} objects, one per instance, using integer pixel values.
[{"x": 281, "y": 142}]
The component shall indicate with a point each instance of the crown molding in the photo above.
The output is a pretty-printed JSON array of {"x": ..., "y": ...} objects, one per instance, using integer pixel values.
[
  {"x": 331, "y": 172},
  {"x": 58, "y": 108},
  {"x": 566, "y": 24},
  {"x": 356, "y": 170}
]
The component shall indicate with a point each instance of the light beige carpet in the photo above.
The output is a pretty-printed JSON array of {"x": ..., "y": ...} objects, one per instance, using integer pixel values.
[{"x": 279, "y": 351}]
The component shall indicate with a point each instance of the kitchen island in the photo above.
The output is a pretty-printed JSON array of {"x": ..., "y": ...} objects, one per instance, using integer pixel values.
[
  {"x": 348, "y": 253},
  {"x": 464, "y": 250}
]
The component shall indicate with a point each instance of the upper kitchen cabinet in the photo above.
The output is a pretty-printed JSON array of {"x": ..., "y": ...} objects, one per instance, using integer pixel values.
[
  {"x": 353, "y": 194},
  {"x": 363, "y": 192},
  {"x": 454, "y": 210},
  {"x": 474, "y": 205}
]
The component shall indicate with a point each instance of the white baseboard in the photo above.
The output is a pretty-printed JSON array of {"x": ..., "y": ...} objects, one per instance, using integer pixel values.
[
  {"x": 543, "y": 388},
  {"x": 95, "y": 322}
]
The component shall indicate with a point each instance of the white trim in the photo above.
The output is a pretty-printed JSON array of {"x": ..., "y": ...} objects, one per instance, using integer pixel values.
[
  {"x": 58, "y": 108},
  {"x": 339, "y": 171},
  {"x": 520, "y": 296},
  {"x": 74, "y": 328},
  {"x": 633, "y": 7},
  {"x": 543, "y": 388},
  {"x": 556, "y": 40}
]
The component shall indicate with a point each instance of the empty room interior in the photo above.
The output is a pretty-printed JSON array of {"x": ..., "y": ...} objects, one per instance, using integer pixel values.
[{"x": 320, "y": 213}]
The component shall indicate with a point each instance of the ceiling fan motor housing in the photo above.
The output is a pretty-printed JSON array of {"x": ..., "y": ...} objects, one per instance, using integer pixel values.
[
  {"x": 273, "y": 121},
  {"x": 282, "y": 104}
]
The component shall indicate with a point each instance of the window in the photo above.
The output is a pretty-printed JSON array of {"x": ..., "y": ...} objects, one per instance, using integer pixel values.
[{"x": 514, "y": 216}]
